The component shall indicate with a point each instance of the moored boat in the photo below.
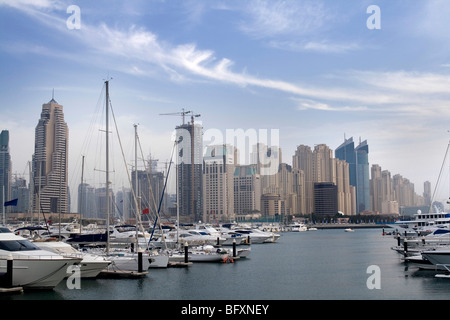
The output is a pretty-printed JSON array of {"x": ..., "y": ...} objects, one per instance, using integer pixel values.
[
  {"x": 90, "y": 265},
  {"x": 33, "y": 268}
]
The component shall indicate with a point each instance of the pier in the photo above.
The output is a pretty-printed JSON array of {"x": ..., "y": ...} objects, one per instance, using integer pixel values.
[
  {"x": 6, "y": 278},
  {"x": 347, "y": 225}
]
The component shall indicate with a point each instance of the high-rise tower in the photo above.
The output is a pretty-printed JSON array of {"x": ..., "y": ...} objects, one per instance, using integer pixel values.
[
  {"x": 189, "y": 171},
  {"x": 358, "y": 160},
  {"x": 219, "y": 163},
  {"x": 50, "y": 160},
  {"x": 5, "y": 167}
]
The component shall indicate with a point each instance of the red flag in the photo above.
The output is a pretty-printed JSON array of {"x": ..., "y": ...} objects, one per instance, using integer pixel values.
[{"x": 146, "y": 211}]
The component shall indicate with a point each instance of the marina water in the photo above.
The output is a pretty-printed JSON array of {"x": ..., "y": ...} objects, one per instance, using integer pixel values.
[{"x": 311, "y": 265}]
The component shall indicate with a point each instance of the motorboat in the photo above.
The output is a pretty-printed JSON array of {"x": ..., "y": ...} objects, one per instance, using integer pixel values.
[
  {"x": 272, "y": 236},
  {"x": 127, "y": 234},
  {"x": 33, "y": 267},
  {"x": 240, "y": 252},
  {"x": 192, "y": 237},
  {"x": 422, "y": 223},
  {"x": 422, "y": 263},
  {"x": 207, "y": 253},
  {"x": 438, "y": 257},
  {"x": 229, "y": 235},
  {"x": 296, "y": 227},
  {"x": 91, "y": 264},
  {"x": 349, "y": 230},
  {"x": 437, "y": 240},
  {"x": 254, "y": 236},
  {"x": 124, "y": 234},
  {"x": 157, "y": 259}
]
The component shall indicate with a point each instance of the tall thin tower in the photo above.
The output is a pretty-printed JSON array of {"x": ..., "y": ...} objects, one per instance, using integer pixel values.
[
  {"x": 189, "y": 171},
  {"x": 50, "y": 160},
  {"x": 5, "y": 167}
]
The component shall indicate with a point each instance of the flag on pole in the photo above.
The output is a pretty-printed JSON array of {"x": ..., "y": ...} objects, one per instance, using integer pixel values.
[
  {"x": 11, "y": 203},
  {"x": 146, "y": 211}
]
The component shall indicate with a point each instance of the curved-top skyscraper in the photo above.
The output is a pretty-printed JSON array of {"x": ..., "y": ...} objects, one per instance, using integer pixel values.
[{"x": 50, "y": 160}]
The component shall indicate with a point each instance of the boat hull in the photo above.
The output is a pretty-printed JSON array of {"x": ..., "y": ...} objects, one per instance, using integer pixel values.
[
  {"x": 38, "y": 272},
  {"x": 437, "y": 257}
]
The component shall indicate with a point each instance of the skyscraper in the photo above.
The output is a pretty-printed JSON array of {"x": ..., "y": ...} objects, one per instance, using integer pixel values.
[
  {"x": 5, "y": 167},
  {"x": 50, "y": 160},
  {"x": 427, "y": 192},
  {"x": 303, "y": 160},
  {"x": 189, "y": 171},
  {"x": 362, "y": 177},
  {"x": 358, "y": 160},
  {"x": 247, "y": 190},
  {"x": 325, "y": 198},
  {"x": 219, "y": 163}
]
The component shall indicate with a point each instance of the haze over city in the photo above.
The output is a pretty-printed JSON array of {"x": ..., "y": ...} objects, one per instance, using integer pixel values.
[{"x": 314, "y": 70}]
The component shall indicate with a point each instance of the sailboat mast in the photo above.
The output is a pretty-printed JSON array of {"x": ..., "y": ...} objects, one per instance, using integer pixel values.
[
  {"x": 82, "y": 190},
  {"x": 136, "y": 195},
  {"x": 107, "y": 166}
]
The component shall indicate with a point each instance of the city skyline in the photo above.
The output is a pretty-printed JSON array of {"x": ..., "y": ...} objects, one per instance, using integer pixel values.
[{"x": 311, "y": 69}]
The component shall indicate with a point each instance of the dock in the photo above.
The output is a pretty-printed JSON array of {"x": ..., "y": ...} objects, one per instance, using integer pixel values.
[
  {"x": 179, "y": 264},
  {"x": 11, "y": 290},
  {"x": 348, "y": 225},
  {"x": 115, "y": 274}
]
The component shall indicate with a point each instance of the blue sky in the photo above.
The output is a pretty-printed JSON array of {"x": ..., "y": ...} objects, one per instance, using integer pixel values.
[{"x": 311, "y": 69}]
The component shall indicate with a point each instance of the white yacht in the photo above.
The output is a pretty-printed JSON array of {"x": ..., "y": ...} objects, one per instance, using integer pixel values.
[
  {"x": 422, "y": 222},
  {"x": 192, "y": 237},
  {"x": 296, "y": 227},
  {"x": 90, "y": 266},
  {"x": 33, "y": 268},
  {"x": 207, "y": 253},
  {"x": 257, "y": 236},
  {"x": 127, "y": 234},
  {"x": 438, "y": 257},
  {"x": 229, "y": 235}
]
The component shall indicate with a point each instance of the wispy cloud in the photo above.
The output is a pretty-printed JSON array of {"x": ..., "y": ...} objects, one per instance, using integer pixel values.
[
  {"x": 314, "y": 46},
  {"x": 272, "y": 18},
  {"x": 138, "y": 51},
  {"x": 304, "y": 104}
]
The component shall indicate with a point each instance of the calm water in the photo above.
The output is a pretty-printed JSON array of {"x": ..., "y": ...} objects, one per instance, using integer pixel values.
[{"x": 319, "y": 265}]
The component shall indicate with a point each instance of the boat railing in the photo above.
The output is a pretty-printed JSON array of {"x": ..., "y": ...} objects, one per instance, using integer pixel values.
[{"x": 34, "y": 257}]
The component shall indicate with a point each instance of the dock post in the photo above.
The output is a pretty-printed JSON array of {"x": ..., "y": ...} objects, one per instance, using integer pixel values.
[
  {"x": 398, "y": 239},
  {"x": 140, "y": 264},
  {"x": 186, "y": 254},
  {"x": 234, "y": 248},
  {"x": 9, "y": 271},
  {"x": 405, "y": 245}
]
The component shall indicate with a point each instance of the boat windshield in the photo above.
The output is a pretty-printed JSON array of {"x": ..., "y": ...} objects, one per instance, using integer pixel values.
[{"x": 17, "y": 245}]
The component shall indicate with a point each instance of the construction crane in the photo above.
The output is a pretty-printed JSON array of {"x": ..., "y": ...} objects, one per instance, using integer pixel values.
[{"x": 182, "y": 113}]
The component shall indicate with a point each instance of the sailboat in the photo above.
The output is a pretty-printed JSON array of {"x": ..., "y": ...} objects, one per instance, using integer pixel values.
[
  {"x": 122, "y": 264},
  {"x": 151, "y": 258}
]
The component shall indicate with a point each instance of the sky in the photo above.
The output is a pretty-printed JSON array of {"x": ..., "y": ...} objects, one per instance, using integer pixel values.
[{"x": 317, "y": 71}]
